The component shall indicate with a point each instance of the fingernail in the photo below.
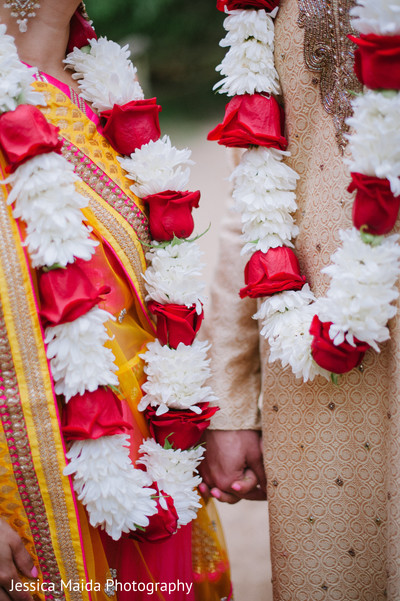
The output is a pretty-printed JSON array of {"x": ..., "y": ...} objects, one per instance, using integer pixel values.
[
  {"x": 216, "y": 494},
  {"x": 34, "y": 572},
  {"x": 236, "y": 486}
]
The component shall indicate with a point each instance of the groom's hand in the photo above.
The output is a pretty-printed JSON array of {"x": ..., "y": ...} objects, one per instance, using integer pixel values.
[{"x": 233, "y": 467}]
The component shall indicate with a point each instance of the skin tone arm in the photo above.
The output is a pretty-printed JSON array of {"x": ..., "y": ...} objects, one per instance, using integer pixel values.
[
  {"x": 233, "y": 466},
  {"x": 42, "y": 46},
  {"x": 14, "y": 559}
]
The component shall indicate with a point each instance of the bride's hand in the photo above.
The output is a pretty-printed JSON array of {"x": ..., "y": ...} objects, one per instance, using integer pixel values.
[
  {"x": 233, "y": 467},
  {"x": 13, "y": 558}
]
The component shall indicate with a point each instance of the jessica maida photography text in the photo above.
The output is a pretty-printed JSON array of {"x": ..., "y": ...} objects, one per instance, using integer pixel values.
[{"x": 110, "y": 585}]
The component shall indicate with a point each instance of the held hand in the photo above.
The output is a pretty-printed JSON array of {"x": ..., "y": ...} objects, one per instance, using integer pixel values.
[
  {"x": 13, "y": 558},
  {"x": 233, "y": 467}
]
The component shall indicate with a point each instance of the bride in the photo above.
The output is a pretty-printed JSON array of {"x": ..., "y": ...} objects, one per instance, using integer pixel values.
[{"x": 99, "y": 465}]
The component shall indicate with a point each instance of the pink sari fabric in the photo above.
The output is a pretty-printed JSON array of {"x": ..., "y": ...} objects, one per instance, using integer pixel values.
[{"x": 143, "y": 565}]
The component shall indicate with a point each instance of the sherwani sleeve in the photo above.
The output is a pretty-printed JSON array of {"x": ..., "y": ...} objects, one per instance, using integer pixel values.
[{"x": 235, "y": 359}]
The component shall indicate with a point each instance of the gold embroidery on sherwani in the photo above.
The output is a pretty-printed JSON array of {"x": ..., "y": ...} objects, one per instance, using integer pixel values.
[
  {"x": 328, "y": 51},
  {"x": 34, "y": 385}
]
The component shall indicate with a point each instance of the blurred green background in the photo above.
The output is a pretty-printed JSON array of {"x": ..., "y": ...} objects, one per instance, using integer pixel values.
[{"x": 175, "y": 46}]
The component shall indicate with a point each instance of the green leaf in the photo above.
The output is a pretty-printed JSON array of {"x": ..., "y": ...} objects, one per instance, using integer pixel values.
[{"x": 370, "y": 238}]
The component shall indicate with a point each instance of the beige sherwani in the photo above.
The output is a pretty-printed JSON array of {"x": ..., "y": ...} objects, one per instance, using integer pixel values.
[{"x": 332, "y": 453}]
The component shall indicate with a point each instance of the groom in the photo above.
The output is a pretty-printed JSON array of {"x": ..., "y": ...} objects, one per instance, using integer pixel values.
[{"x": 331, "y": 452}]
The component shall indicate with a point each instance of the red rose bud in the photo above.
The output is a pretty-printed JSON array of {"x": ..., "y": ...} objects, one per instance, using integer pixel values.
[
  {"x": 337, "y": 359},
  {"x": 131, "y": 125},
  {"x": 267, "y": 5},
  {"x": 66, "y": 294},
  {"x": 375, "y": 205},
  {"x": 271, "y": 272},
  {"x": 80, "y": 32},
  {"x": 251, "y": 120},
  {"x": 171, "y": 214},
  {"x": 183, "y": 429},
  {"x": 176, "y": 323},
  {"x": 376, "y": 60},
  {"x": 162, "y": 525},
  {"x": 26, "y": 133},
  {"x": 93, "y": 415}
]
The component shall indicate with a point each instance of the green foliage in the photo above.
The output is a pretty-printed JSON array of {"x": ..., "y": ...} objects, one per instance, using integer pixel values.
[{"x": 183, "y": 47}]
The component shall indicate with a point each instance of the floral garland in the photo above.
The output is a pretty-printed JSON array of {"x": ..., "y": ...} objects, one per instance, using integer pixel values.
[
  {"x": 154, "y": 500},
  {"x": 325, "y": 336}
]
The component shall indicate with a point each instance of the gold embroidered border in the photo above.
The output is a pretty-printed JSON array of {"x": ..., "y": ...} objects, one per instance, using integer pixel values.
[
  {"x": 16, "y": 435},
  {"x": 104, "y": 186},
  {"x": 328, "y": 50},
  {"x": 122, "y": 238},
  {"x": 18, "y": 312}
]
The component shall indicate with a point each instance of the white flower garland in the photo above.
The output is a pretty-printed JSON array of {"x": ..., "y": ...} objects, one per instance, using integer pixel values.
[
  {"x": 363, "y": 277},
  {"x": 15, "y": 77},
  {"x": 173, "y": 275},
  {"x": 117, "y": 496},
  {"x": 158, "y": 166},
  {"x": 249, "y": 64},
  {"x": 44, "y": 196},
  {"x": 176, "y": 475},
  {"x": 176, "y": 377},
  {"x": 105, "y": 75},
  {"x": 70, "y": 349}
]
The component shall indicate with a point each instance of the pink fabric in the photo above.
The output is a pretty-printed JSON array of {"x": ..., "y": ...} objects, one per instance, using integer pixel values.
[{"x": 167, "y": 560}]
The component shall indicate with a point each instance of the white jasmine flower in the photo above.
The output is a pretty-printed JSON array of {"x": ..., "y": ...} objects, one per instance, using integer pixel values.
[
  {"x": 176, "y": 474},
  {"x": 176, "y": 377},
  {"x": 381, "y": 18},
  {"x": 242, "y": 25},
  {"x": 106, "y": 76},
  {"x": 363, "y": 286},
  {"x": 15, "y": 77},
  {"x": 248, "y": 68},
  {"x": 264, "y": 230},
  {"x": 285, "y": 301},
  {"x": 249, "y": 64},
  {"x": 375, "y": 143},
  {"x": 262, "y": 170},
  {"x": 158, "y": 166},
  {"x": 173, "y": 275},
  {"x": 43, "y": 190},
  {"x": 264, "y": 194},
  {"x": 289, "y": 339},
  {"x": 116, "y": 495},
  {"x": 286, "y": 319},
  {"x": 79, "y": 360}
]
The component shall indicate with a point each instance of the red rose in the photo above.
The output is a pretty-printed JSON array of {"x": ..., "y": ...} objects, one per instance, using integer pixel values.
[
  {"x": 171, "y": 214},
  {"x": 267, "y": 5},
  {"x": 337, "y": 359},
  {"x": 66, "y": 294},
  {"x": 176, "y": 323},
  {"x": 80, "y": 32},
  {"x": 93, "y": 415},
  {"x": 251, "y": 120},
  {"x": 131, "y": 125},
  {"x": 25, "y": 133},
  {"x": 270, "y": 272},
  {"x": 375, "y": 205},
  {"x": 376, "y": 60},
  {"x": 162, "y": 525},
  {"x": 183, "y": 428}
]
